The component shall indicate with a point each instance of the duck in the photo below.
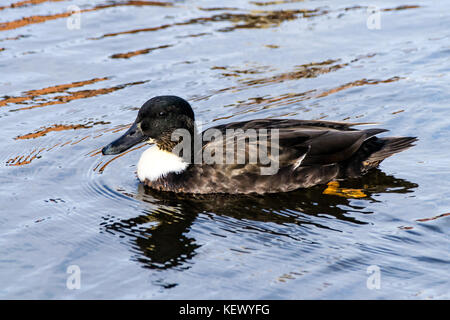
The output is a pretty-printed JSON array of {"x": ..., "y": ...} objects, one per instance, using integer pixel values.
[{"x": 257, "y": 156}]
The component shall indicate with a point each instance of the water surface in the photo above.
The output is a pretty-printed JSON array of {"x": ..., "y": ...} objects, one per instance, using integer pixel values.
[{"x": 66, "y": 92}]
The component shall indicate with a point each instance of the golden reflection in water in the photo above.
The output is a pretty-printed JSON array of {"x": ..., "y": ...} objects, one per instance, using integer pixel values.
[
  {"x": 56, "y": 128},
  {"x": 102, "y": 168},
  {"x": 259, "y": 19},
  {"x": 218, "y": 9},
  {"x": 35, "y": 94},
  {"x": 94, "y": 153},
  {"x": 138, "y": 52},
  {"x": 195, "y": 35},
  {"x": 270, "y": 3},
  {"x": 20, "y": 36},
  {"x": 63, "y": 87},
  {"x": 132, "y": 31},
  {"x": 434, "y": 218},
  {"x": 21, "y": 160},
  {"x": 266, "y": 102},
  {"x": 273, "y": 102},
  {"x": 10, "y": 25},
  {"x": 426, "y": 220},
  {"x": 118, "y": 128},
  {"x": 356, "y": 83},
  {"x": 405, "y": 7},
  {"x": 256, "y": 19},
  {"x": 309, "y": 70},
  {"x": 26, "y": 3},
  {"x": 238, "y": 72},
  {"x": 78, "y": 141},
  {"x": 76, "y": 95},
  {"x": 25, "y": 21}
]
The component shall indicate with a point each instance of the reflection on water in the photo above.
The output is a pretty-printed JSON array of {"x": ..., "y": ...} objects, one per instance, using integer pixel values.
[
  {"x": 138, "y": 52},
  {"x": 256, "y": 19},
  {"x": 158, "y": 239},
  {"x": 36, "y": 94},
  {"x": 42, "y": 132},
  {"x": 75, "y": 95},
  {"x": 43, "y": 18}
]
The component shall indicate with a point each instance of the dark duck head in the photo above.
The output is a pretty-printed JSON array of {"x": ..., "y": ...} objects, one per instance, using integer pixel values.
[{"x": 157, "y": 119}]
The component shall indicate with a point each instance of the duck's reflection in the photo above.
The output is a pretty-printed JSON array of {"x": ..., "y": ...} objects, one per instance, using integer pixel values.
[{"x": 159, "y": 236}]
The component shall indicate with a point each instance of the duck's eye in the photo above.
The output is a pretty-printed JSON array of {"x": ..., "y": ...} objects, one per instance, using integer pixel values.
[{"x": 162, "y": 114}]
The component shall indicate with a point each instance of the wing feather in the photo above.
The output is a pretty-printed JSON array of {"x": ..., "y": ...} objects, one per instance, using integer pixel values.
[{"x": 300, "y": 142}]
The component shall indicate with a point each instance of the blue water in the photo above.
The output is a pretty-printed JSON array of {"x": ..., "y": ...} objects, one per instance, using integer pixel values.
[{"x": 65, "y": 92}]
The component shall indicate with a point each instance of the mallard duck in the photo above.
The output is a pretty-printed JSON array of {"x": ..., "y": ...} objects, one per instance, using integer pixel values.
[{"x": 307, "y": 152}]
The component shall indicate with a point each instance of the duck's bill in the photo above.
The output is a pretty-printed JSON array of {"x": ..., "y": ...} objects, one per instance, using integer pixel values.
[{"x": 129, "y": 139}]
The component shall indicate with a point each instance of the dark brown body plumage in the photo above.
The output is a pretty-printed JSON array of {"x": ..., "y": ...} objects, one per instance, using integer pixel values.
[{"x": 327, "y": 150}]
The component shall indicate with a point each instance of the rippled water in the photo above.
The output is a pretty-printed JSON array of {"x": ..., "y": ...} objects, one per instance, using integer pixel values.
[{"x": 66, "y": 92}]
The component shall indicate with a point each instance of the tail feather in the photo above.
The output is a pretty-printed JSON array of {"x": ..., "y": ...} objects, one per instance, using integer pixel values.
[
  {"x": 372, "y": 152},
  {"x": 391, "y": 146},
  {"x": 375, "y": 131}
]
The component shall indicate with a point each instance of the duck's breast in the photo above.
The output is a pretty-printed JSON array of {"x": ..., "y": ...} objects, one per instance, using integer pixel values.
[{"x": 155, "y": 163}]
